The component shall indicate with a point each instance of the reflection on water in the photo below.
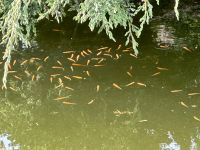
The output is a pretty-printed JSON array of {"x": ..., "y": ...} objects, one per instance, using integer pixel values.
[
  {"x": 93, "y": 94},
  {"x": 7, "y": 144},
  {"x": 173, "y": 145}
]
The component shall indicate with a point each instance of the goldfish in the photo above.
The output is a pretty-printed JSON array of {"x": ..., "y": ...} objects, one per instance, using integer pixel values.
[{"x": 116, "y": 86}]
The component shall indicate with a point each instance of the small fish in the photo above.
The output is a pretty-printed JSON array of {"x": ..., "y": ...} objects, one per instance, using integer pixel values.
[
  {"x": 90, "y": 102},
  {"x": 14, "y": 62},
  {"x": 13, "y": 89},
  {"x": 39, "y": 68},
  {"x": 129, "y": 74},
  {"x": 98, "y": 65},
  {"x": 77, "y": 77},
  {"x": 51, "y": 79},
  {"x": 187, "y": 49},
  {"x": 175, "y": 91},
  {"x": 45, "y": 59},
  {"x": 17, "y": 77},
  {"x": 77, "y": 57},
  {"x": 57, "y": 67},
  {"x": 70, "y": 59},
  {"x": 102, "y": 48},
  {"x": 155, "y": 74},
  {"x": 88, "y": 62},
  {"x": 88, "y": 73},
  {"x": 117, "y": 56},
  {"x": 59, "y": 62},
  {"x": 191, "y": 94},
  {"x": 68, "y": 52},
  {"x": 133, "y": 55},
  {"x": 27, "y": 73},
  {"x": 125, "y": 50},
  {"x": 68, "y": 103},
  {"x": 143, "y": 121},
  {"x": 66, "y": 77},
  {"x": 196, "y": 118},
  {"x": 131, "y": 68},
  {"x": 25, "y": 61},
  {"x": 89, "y": 51},
  {"x": 108, "y": 51},
  {"x": 193, "y": 106},
  {"x": 183, "y": 104},
  {"x": 142, "y": 84},
  {"x": 69, "y": 88},
  {"x": 99, "y": 53},
  {"x": 98, "y": 87},
  {"x": 35, "y": 58},
  {"x": 108, "y": 55},
  {"x": 164, "y": 46},
  {"x": 57, "y": 30},
  {"x": 101, "y": 60},
  {"x": 160, "y": 68},
  {"x": 60, "y": 81},
  {"x": 116, "y": 86},
  {"x": 54, "y": 75},
  {"x": 33, "y": 77},
  {"x": 78, "y": 65},
  {"x": 72, "y": 55},
  {"x": 72, "y": 69},
  {"x": 119, "y": 46},
  {"x": 82, "y": 54},
  {"x": 60, "y": 98},
  {"x": 130, "y": 83}
]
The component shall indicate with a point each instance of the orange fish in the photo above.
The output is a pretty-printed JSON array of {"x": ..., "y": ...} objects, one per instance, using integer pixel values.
[
  {"x": 187, "y": 49},
  {"x": 90, "y": 102},
  {"x": 69, "y": 88},
  {"x": 155, "y": 74},
  {"x": 183, "y": 104},
  {"x": 129, "y": 74},
  {"x": 66, "y": 77},
  {"x": 77, "y": 77},
  {"x": 130, "y": 83},
  {"x": 25, "y": 61},
  {"x": 116, "y": 86},
  {"x": 59, "y": 62},
  {"x": 160, "y": 68},
  {"x": 60, "y": 98},
  {"x": 68, "y": 103},
  {"x": 13, "y": 89},
  {"x": 196, "y": 118},
  {"x": 39, "y": 68},
  {"x": 78, "y": 65},
  {"x": 14, "y": 62},
  {"x": 17, "y": 77},
  {"x": 45, "y": 59},
  {"x": 175, "y": 91},
  {"x": 98, "y": 87},
  {"x": 191, "y": 94},
  {"x": 142, "y": 84}
]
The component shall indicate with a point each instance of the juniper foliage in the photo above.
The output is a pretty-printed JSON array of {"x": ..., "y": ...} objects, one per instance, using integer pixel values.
[{"x": 19, "y": 17}]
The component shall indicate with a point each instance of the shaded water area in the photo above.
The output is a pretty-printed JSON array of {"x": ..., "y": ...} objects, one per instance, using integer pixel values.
[{"x": 78, "y": 90}]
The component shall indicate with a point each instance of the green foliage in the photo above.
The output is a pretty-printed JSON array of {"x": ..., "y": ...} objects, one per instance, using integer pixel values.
[{"x": 19, "y": 18}]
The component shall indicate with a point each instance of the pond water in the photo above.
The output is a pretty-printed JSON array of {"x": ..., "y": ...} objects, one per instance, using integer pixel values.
[{"x": 77, "y": 90}]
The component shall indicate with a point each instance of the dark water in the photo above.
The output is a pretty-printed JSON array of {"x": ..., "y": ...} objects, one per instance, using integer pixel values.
[{"x": 104, "y": 98}]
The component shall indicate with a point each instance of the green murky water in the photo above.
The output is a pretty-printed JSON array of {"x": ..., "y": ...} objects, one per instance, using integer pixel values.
[{"x": 76, "y": 90}]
